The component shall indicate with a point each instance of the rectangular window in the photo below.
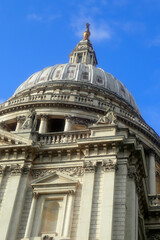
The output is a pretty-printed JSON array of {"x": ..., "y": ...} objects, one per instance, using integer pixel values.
[{"x": 49, "y": 221}]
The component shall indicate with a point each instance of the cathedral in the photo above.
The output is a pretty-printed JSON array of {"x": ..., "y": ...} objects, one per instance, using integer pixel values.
[{"x": 77, "y": 160}]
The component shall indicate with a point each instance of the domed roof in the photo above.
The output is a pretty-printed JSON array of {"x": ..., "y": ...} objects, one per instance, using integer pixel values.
[{"x": 82, "y": 73}]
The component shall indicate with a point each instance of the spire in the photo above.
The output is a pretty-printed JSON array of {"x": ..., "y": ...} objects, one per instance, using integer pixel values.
[{"x": 84, "y": 52}]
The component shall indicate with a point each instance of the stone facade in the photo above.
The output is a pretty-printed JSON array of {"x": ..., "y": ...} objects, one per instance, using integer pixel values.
[{"x": 77, "y": 161}]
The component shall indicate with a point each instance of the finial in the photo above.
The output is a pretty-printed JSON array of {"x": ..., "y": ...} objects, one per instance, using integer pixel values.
[{"x": 87, "y": 33}]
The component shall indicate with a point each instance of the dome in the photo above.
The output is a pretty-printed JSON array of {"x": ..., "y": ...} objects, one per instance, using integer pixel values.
[{"x": 80, "y": 73}]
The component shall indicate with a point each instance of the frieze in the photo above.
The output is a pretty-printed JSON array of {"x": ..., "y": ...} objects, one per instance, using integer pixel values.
[{"x": 71, "y": 171}]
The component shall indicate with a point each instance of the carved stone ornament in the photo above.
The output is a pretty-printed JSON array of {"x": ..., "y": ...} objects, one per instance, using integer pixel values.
[
  {"x": 73, "y": 172},
  {"x": 3, "y": 125},
  {"x": 21, "y": 119},
  {"x": 30, "y": 120},
  {"x": 108, "y": 118},
  {"x": 16, "y": 170},
  {"x": 89, "y": 167},
  {"x": 109, "y": 166}
]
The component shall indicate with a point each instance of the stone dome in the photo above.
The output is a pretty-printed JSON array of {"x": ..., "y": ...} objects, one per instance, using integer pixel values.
[{"x": 82, "y": 73}]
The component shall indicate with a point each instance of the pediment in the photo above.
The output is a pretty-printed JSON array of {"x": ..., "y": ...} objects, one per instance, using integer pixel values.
[
  {"x": 55, "y": 182},
  {"x": 9, "y": 139},
  {"x": 55, "y": 178}
]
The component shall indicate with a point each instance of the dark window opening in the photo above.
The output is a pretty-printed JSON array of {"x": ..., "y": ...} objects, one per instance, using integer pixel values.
[
  {"x": 79, "y": 58},
  {"x": 11, "y": 126},
  {"x": 38, "y": 124},
  {"x": 56, "y": 125}
]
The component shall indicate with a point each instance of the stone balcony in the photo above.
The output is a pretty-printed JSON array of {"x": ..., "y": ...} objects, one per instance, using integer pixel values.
[{"x": 63, "y": 137}]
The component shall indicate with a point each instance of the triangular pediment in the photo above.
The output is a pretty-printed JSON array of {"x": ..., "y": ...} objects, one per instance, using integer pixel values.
[
  {"x": 55, "y": 178},
  {"x": 9, "y": 139},
  {"x": 55, "y": 183}
]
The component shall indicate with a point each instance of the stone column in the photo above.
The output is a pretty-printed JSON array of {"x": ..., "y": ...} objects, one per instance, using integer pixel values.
[
  {"x": 86, "y": 202},
  {"x": 43, "y": 124},
  {"x": 107, "y": 200},
  {"x": 31, "y": 216},
  {"x": 132, "y": 205},
  {"x": 67, "y": 222},
  {"x": 152, "y": 174},
  {"x": 10, "y": 201},
  {"x": 68, "y": 124},
  {"x": 20, "y": 121}
]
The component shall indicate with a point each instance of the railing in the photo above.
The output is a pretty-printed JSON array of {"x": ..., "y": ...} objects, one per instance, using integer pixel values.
[
  {"x": 154, "y": 200},
  {"x": 63, "y": 137}
]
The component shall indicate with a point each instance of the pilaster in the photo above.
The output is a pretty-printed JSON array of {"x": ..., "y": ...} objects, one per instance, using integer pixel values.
[
  {"x": 8, "y": 209},
  {"x": 86, "y": 202},
  {"x": 152, "y": 173},
  {"x": 132, "y": 205},
  {"x": 109, "y": 168}
]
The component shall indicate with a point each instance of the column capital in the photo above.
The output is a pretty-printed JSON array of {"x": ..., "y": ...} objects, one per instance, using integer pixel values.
[
  {"x": 16, "y": 170},
  {"x": 44, "y": 116},
  {"x": 89, "y": 167},
  {"x": 2, "y": 170},
  {"x": 110, "y": 165}
]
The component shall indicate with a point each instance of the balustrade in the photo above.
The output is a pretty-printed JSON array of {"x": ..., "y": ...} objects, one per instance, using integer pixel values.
[{"x": 63, "y": 137}]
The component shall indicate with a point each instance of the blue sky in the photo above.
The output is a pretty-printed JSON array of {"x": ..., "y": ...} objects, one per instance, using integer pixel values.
[{"x": 125, "y": 35}]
